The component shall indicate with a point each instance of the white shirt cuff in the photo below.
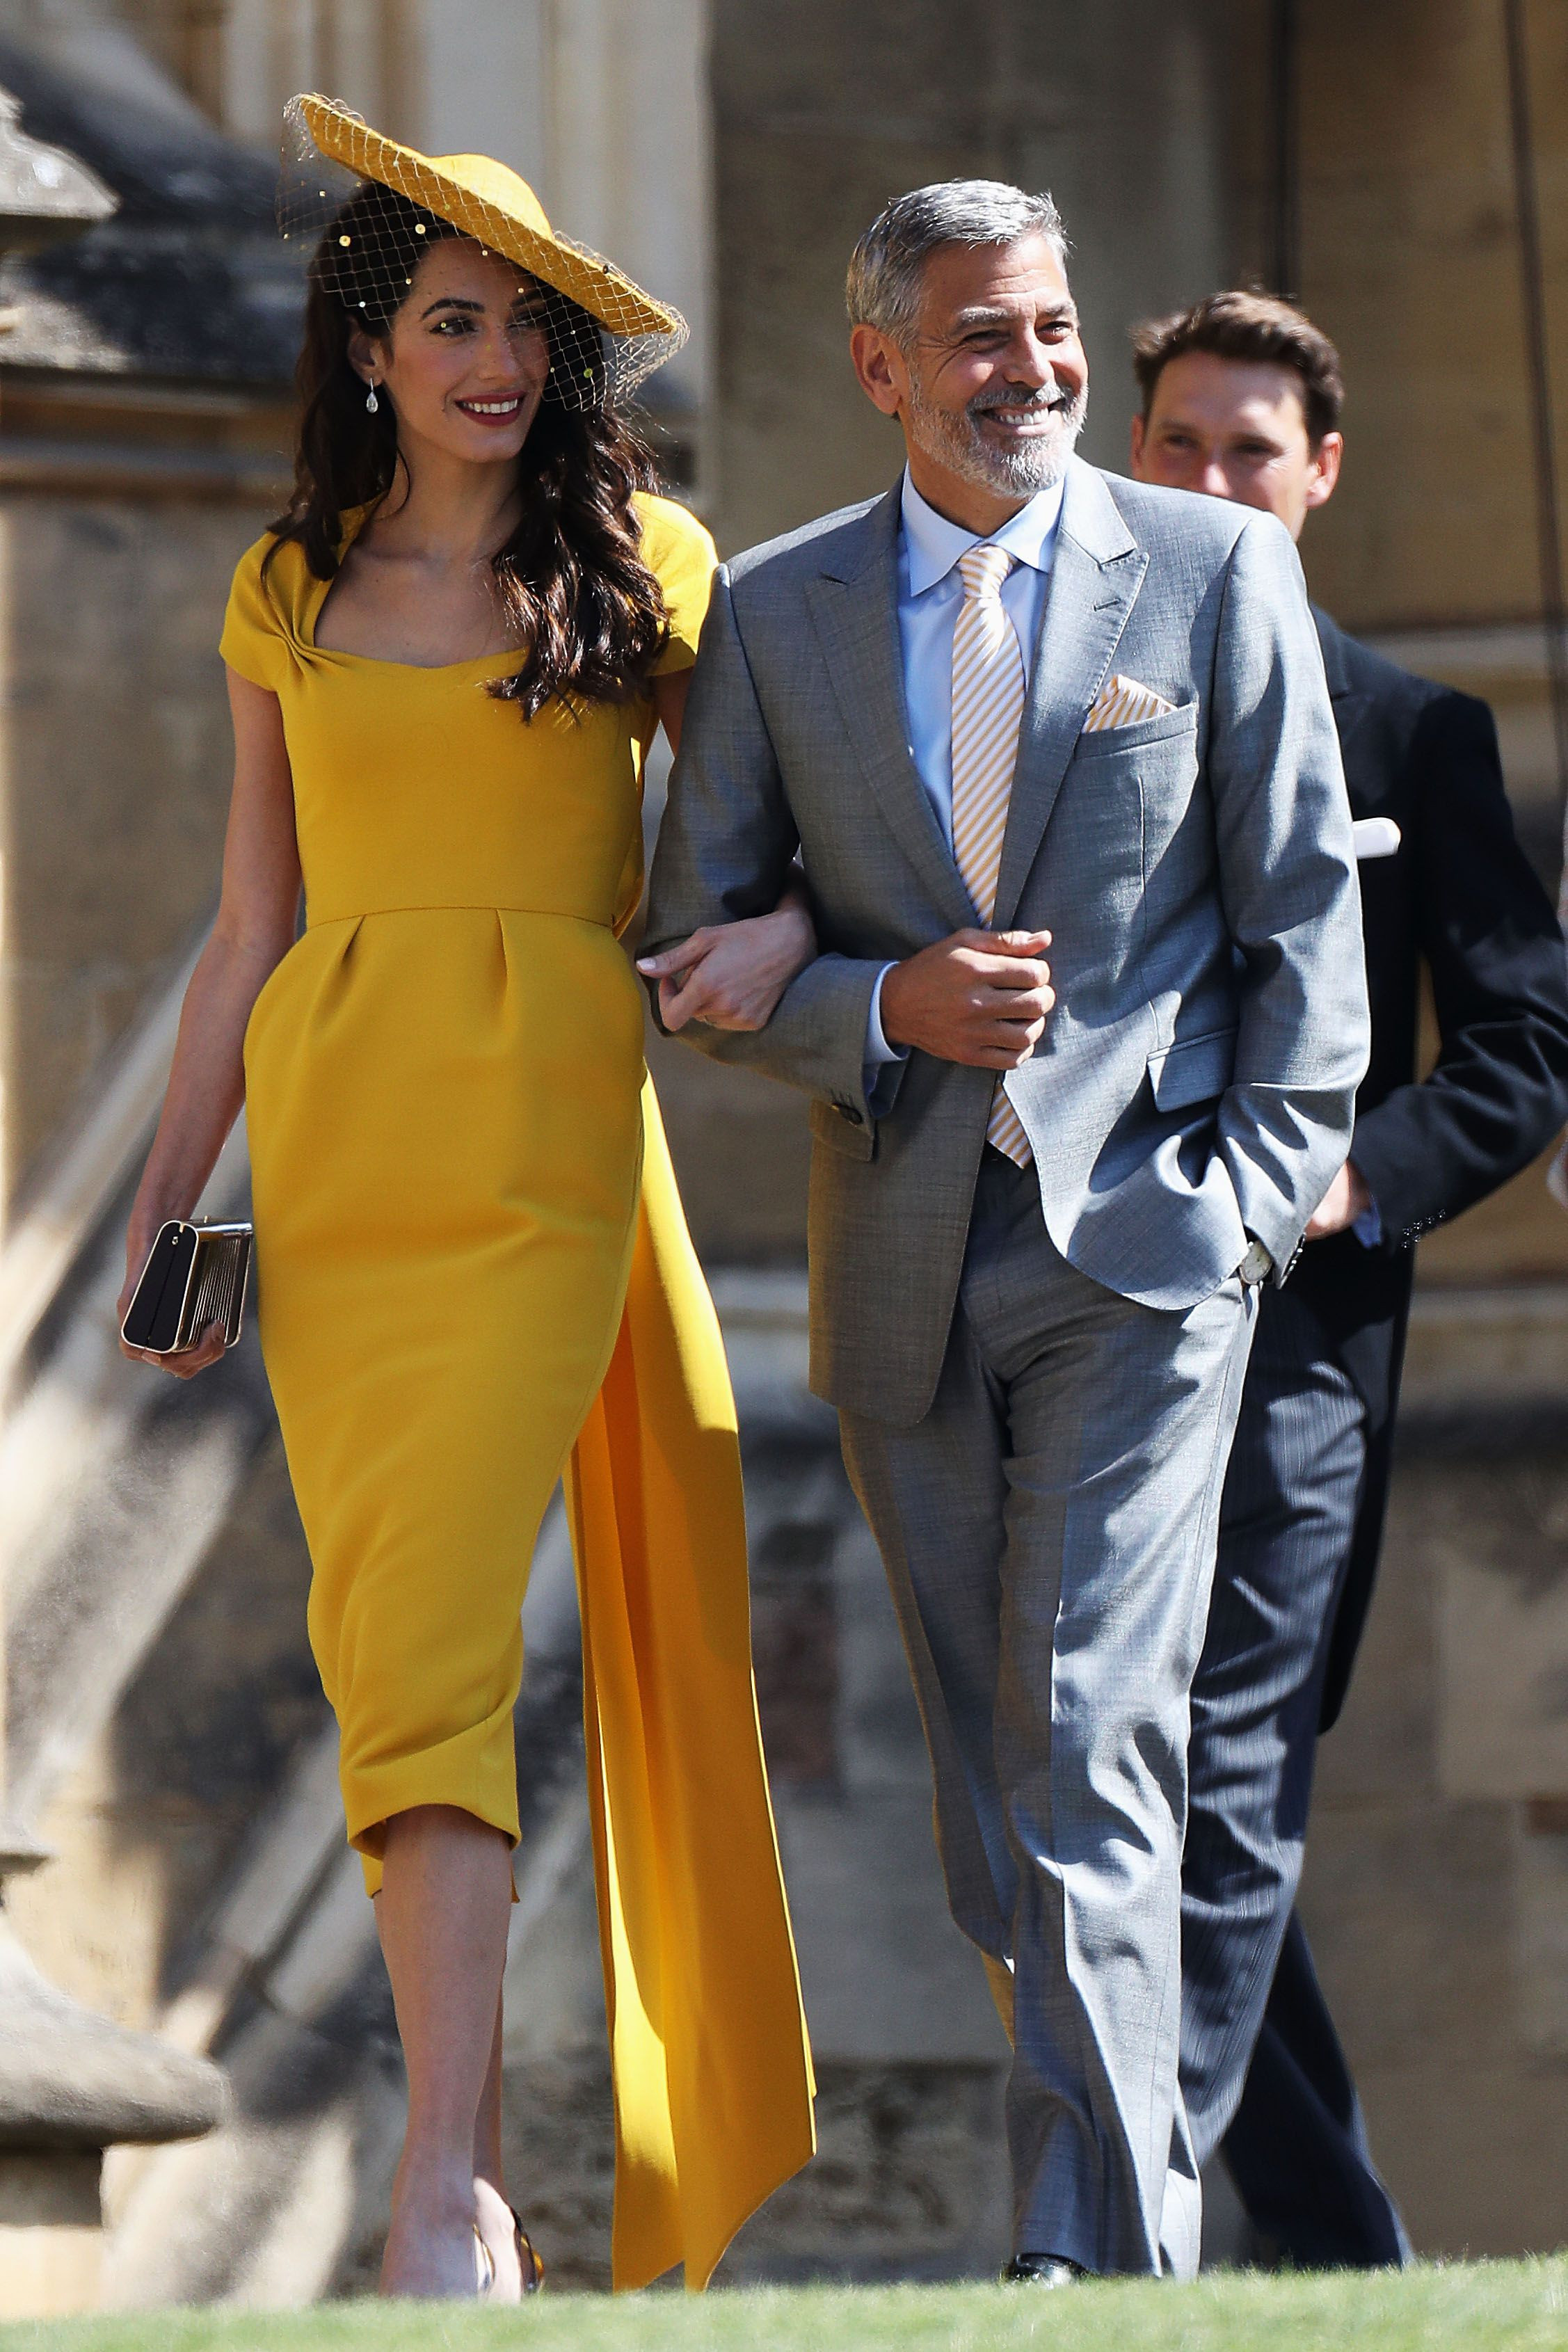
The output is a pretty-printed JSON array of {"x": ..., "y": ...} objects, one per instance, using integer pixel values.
[
  {"x": 882, "y": 1059},
  {"x": 877, "y": 1049}
]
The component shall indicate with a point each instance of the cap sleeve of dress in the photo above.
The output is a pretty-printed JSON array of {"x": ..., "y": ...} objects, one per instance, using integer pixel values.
[
  {"x": 255, "y": 640},
  {"x": 683, "y": 558}
]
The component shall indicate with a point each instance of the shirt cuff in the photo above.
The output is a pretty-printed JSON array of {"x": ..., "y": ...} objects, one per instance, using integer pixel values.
[
  {"x": 882, "y": 1059},
  {"x": 1368, "y": 1227}
]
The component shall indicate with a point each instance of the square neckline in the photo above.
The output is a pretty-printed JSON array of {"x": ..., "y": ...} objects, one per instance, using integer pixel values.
[{"x": 354, "y": 521}]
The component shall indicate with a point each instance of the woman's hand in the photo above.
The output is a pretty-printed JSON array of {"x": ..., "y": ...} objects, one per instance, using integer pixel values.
[
  {"x": 143, "y": 1230},
  {"x": 731, "y": 975}
]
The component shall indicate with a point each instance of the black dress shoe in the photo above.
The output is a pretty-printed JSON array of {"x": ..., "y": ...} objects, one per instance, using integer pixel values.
[{"x": 1043, "y": 2270}]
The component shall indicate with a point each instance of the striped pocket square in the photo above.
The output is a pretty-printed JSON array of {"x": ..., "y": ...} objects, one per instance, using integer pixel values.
[{"x": 1121, "y": 702}]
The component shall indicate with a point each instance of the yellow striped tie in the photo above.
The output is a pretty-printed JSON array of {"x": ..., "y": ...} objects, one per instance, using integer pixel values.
[{"x": 987, "y": 711}]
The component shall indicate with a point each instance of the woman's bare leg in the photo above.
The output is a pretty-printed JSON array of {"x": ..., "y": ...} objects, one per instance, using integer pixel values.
[
  {"x": 487, "y": 2124},
  {"x": 495, "y": 2217},
  {"x": 442, "y": 1913}
]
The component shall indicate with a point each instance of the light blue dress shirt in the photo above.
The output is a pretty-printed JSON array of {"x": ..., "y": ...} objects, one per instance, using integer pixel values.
[{"x": 931, "y": 590}]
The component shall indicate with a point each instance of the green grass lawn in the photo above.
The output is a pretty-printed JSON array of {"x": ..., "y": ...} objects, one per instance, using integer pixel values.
[{"x": 1476, "y": 2305}]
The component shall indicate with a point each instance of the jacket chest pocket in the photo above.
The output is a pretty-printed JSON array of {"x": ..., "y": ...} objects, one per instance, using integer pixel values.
[
  {"x": 1096, "y": 838},
  {"x": 1152, "y": 766}
]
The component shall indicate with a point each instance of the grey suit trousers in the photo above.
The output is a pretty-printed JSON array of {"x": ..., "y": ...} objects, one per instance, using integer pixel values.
[{"x": 1048, "y": 1530}]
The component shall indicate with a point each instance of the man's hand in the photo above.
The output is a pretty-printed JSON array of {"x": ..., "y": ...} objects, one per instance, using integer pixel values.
[
  {"x": 980, "y": 998},
  {"x": 1346, "y": 1198}
]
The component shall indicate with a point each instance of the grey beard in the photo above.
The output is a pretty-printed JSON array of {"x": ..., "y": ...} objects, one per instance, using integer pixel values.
[{"x": 956, "y": 443}]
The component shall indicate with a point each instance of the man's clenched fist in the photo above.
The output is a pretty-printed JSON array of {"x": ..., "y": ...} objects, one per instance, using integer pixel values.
[{"x": 980, "y": 997}]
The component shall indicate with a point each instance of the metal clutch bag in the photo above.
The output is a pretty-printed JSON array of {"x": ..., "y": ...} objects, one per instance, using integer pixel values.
[{"x": 195, "y": 1276}]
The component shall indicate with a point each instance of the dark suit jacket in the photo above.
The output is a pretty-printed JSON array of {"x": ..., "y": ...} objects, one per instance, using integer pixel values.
[{"x": 1461, "y": 898}]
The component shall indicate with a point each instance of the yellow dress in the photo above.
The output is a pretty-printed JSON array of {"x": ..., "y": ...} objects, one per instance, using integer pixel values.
[{"x": 474, "y": 1276}]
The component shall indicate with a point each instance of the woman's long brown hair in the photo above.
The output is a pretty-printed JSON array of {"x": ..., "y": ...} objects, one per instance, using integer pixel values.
[{"x": 573, "y": 586}]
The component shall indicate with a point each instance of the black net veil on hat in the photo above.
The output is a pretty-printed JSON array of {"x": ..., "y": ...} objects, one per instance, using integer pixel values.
[{"x": 366, "y": 238}]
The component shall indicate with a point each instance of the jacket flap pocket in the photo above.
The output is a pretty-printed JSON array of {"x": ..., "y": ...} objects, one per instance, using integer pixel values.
[
  {"x": 840, "y": 1132},
  {"x": 1192, "y": 1070}
]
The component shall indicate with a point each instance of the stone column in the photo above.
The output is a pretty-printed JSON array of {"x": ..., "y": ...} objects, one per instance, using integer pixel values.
[{"x": 71, "y": 2083}]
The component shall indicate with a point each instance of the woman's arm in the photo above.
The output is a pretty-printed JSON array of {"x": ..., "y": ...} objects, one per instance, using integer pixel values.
[
  {"x": 254, "y": 930},
  {"x": 730, "y": 975},
  {"x": 670, "y": 695}
]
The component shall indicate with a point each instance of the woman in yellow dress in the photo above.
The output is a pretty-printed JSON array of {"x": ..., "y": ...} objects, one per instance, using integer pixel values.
[{"x": 446, "y": 664}]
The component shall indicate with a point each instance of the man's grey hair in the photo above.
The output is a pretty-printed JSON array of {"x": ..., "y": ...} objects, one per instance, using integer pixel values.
[{"x": 883, "y": 289}]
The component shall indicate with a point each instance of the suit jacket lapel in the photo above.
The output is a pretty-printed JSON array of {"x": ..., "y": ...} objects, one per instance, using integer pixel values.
[
  {"x": 1352, "y": 707},
  {"x": 855, "y": 607},
  {"x": 1095, "y": 580}
]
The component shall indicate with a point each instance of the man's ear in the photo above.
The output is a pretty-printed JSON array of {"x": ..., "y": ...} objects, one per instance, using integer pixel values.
[
  {"x": 879, "y": 365},
  {"x": 1326, "y": 460},
  {"x": 1136, "y": 445}
]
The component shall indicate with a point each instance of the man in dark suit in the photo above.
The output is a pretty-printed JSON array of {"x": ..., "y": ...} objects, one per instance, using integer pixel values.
[{"x": 1241, "y": 399}]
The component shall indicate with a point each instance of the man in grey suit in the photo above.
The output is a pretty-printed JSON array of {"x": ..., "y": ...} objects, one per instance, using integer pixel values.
[{"x": 1016, "y": 703}]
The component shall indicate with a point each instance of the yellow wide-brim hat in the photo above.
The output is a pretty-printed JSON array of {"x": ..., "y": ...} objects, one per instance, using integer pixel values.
[{"x": 497, "y": 207}]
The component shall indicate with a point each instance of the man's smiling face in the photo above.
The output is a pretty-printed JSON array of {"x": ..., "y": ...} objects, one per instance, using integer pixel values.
[
  {"x": 991, "y": 385},
  {"x": 1235, "y": 429}
]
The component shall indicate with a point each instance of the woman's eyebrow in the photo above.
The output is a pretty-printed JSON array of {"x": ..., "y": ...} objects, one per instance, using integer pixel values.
[{"x": 453, "y": 302}]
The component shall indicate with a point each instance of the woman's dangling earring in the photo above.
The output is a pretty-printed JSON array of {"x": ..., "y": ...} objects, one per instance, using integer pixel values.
[{"x": 371, "y": 402}]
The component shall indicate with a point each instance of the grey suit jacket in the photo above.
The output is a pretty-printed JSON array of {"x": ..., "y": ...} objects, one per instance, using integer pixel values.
[{"x": 1196, "y": 1082}]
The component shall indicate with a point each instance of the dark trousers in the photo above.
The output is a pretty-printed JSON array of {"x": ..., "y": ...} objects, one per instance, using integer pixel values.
[{"x": 1263, "y": 2075}]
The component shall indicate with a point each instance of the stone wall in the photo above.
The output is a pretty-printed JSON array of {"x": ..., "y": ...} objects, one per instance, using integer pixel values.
[
  {"x": 1436, "y": 1888},
  {"x": 822, "y": 112},
  {"x": 115, "y": 758},
  {"x": 1411, "y": 261}
]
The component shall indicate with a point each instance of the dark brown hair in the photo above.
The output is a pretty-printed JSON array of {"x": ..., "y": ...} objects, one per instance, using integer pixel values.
[
  {"x": 572, "y": 583},
  {"x": 1240, "y": 325}
]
